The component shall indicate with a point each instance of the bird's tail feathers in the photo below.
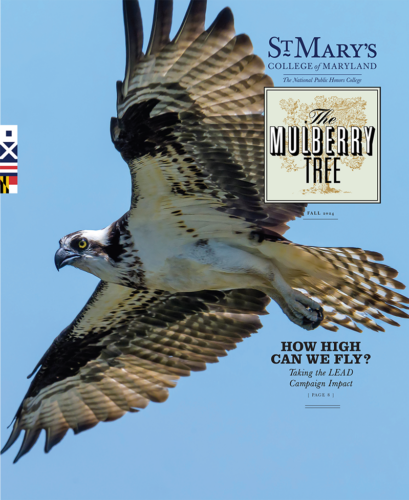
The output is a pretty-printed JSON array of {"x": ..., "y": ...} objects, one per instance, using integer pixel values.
[{"x": 349, "y": 283}]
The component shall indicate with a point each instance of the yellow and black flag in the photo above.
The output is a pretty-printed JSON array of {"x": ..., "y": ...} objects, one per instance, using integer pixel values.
[{"x": 4, "y": 184}]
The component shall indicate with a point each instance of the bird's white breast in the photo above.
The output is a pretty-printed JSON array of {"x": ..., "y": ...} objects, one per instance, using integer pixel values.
[{"x": 174, "y": 261}]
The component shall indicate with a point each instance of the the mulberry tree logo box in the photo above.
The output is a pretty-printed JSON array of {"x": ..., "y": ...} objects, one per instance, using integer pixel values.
[{"x": 322, "y": 145}]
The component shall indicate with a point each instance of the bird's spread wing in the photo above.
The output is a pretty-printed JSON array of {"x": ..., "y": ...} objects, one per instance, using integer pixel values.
[
  {"x": 190, "y": 121},
  {"x": 126, "y": 348}
]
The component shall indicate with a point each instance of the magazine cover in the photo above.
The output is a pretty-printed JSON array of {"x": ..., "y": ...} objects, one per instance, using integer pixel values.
[{"x": 224, "y": 194}]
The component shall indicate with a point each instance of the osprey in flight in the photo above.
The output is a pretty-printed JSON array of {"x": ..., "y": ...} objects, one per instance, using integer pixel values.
[{"x": 186, "y": 272}]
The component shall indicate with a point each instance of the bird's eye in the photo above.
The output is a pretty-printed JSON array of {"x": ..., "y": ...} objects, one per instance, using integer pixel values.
[{"x": 82, "y": 244}]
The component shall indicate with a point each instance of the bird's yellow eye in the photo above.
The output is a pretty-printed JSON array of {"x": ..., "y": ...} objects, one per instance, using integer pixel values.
[{"x": 82, "y": 244}]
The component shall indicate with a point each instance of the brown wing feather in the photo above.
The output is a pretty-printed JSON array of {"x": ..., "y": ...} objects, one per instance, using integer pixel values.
[
  {"x": 128, "y": 347},
  {"x": 199, "y": 99}
]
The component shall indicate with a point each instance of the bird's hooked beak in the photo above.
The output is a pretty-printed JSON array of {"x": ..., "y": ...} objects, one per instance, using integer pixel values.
[{"x": 64, "y": 257}]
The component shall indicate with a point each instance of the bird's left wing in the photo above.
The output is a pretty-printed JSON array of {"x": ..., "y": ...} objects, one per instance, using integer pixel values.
[
  {"x": 190, "y": 123},
  {"x": 126, "y": 348}
]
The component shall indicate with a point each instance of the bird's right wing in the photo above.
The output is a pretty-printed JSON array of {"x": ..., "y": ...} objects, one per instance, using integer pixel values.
[{"x": 126, "y": 348}]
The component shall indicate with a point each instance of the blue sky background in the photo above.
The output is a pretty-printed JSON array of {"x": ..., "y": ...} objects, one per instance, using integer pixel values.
[{"x": 237, "y": 430}]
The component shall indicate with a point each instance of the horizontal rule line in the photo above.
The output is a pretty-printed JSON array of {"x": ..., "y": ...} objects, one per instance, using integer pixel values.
[{"x": 322, "y": 74}]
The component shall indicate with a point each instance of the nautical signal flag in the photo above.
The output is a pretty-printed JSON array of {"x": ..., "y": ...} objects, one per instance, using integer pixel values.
[{"x": 8, "y": 159}]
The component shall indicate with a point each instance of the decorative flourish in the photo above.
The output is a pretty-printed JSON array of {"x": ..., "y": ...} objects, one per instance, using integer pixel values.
[{"x": 348, "y": 112}]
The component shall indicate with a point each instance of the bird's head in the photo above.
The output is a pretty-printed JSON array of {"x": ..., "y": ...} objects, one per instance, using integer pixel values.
[
  {"x": 108, "y": 253},
  {"x": 90, "y": 251}
]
